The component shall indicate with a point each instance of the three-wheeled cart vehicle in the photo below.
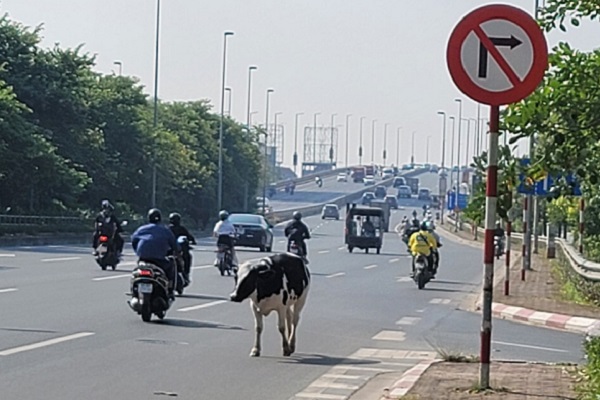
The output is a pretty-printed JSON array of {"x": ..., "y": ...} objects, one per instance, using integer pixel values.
[{"x": 364, "y": 228}]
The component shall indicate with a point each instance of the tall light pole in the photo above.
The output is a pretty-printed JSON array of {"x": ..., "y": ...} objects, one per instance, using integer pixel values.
[
  {"x": 347, "y": 129},
  {"x": 295, "y": 161},
  {"x": 360, "y": 148},
  {"x": 385, "y": 143},
  {"x": 228, "y": 90},
  {"x": 427, "y": 151},
  {"x": 468, "y": 121},
  {"x": 250, "y": 117},
  {"x": 373, "y": 141},
  {"x": 412, "y": 151},
  {"x": 459, "y": 101},
  {"x": 452, "y": 150},
  {"x": 220, "y": 185},
  {"x": 474, "y": 151},
  {"x": 331, "y": 148},
  {"x": 266, "y": 133},
  {"x": 398, "y": 147},
  {"x": 315, "y": 139},
  {"x": 248, "y": 113},
  {"x": 120, "y": 64},
  {"x": 275, "y": 142},
  {"x": 478, "y": 132},
  {"x": 155, "y": 123},
  {"x": 443, "y": 177}
]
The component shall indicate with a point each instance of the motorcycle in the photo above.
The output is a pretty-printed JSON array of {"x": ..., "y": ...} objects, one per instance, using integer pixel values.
[
  {"x": 296, "y": 248},
  {"x": 184, "y": 261},
  {"x": 423, "y": 273},
  {"x": 319, "y": 182},
  {"x": 149, "y": 291},
  {"x": 225, "y": 259},
  {"x": 498, "y": 247},
  {"x": 106, "y": 253}
]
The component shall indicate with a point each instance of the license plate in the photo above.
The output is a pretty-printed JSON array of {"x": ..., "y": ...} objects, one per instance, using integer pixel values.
[
  {"x": 145, "y": 287},
  {"x": 249, "y": 235}
]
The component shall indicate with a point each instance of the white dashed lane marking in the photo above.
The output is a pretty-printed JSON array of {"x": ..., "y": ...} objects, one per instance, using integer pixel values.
[
  {"x": 404, "y": 279},
  {"x": 393, "y": 260},
  {"x": 342, "y": 248},
  {"x": 397, "y": 336},
  {"x": 371, "y": 266},
  {"x": 60, "y": 259},
  {"x": 108, "y": 278},
  {"x": 323, "y": 251},
  {"x": 7, "y": 255},
  {"x": 8, "y": 290},
  {"x": 45, "y": 343},
  {"x": 440, "y": 301},
  {"x": 201, "y": 306},
  {"x": 408, "y": 321},
  {"x": 336, "y": 275}
]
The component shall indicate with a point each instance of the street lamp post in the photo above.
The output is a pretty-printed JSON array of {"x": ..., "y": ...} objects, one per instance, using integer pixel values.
[
  {"x": 443, "y": 192},
  {"x": 427, "y": 151},
  {"x": 398, "y": 147},
  {"x": 315, "y": 139},
  {"x": 468, "y": 121},
  {"x": 228, "y": 90},
  {"x": 385, "y": 143},
  {"x": 474, "y": 150},
  {"x": 155, "y": 123},
  {"x": 360, "y": 148},
  {"x": 266, "y": 133},
  {"x": 347, "y": 124},
  {"x": 120, "y": 64},
  {"x": 250, "y": 117},
  {"x": 459, "y": 101},
  {"x": 373, "y": 141},
  {"x": 452, "y": 150},
  {"x": 295, "y": 161},
  {"x": 220, "y": 184},
  {"x": 248, "y": 113},
  {"x": 412, "y": 151},
  {"x": 331, "y": 148},
  {"x": 275, "y": 142}
]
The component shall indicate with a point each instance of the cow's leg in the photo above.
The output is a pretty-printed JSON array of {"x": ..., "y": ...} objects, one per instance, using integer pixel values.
[
  {"x": 258, "y": 328},
  {"x": 282, "y": 315},
  {"x": 295, "y": 317}
]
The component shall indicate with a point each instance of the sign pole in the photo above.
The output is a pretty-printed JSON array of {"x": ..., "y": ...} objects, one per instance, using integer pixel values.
[
  {"x": 507, "y": 256},
  {"x": 488, "y": 250}
]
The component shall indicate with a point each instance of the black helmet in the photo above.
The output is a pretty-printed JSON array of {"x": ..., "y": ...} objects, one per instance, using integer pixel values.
[
  {"x": 154, "y": 216},
  {"x": 175, "y": 218},
  {"x": 415, "y": 223},
  {"x": 424, "y": 226},
  {"x": 106, "y": 205},
  {"x": 223, "y": 215},
  {"x": 297, "y": 215}
]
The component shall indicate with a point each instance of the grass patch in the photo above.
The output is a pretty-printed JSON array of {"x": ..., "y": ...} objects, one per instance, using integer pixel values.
[
  {"x": 453, "y": 355},
  {"x": 573, "y": 287},
  {"x": 476, "y": 388}
]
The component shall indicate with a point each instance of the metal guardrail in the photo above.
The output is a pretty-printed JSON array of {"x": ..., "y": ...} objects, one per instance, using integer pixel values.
[
  {"x": 587, "y": 269},
  {"x": 8, "y": 219},
  {"x": 308, "y": 178}
]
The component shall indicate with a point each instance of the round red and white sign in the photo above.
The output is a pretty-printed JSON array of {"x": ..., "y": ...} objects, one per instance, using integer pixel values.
[{"x": 497, "y": 55}]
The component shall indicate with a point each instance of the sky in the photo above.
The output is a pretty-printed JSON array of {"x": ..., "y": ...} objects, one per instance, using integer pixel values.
[{"x": 384, "y": 60}]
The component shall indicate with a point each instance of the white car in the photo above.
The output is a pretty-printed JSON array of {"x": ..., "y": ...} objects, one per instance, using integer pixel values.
[
  {"x": 369, "y": 180},
  {"x": 342, "y": 177},
  {"x": 387, "y": 173}
]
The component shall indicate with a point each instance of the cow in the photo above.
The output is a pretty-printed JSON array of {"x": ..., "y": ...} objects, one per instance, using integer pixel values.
[{"x": 276, "y": 283}]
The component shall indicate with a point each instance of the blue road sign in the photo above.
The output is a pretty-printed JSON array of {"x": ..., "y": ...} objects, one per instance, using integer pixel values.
[
  {"x": 541, "y": 187},
  {"x": 463, "y": 200}
]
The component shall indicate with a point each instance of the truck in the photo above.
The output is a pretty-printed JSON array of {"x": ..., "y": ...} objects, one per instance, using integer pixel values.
[
  {"x": 385, "y": 207},
  {"x": 370, "y": 170},
  {"x": 358, "y": 174},
  {"x": 414, "y": 184}
]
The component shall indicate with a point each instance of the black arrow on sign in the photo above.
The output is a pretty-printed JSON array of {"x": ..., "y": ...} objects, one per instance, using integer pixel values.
[{"x": 511, "y": 42}]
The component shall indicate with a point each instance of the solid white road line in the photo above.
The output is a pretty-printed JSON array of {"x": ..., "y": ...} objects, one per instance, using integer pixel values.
[
  {"x": 8, "y": 290},
  {"x": 7, "y": 255},
  {"x": 371, "y": 266},
  {"x": 60, "y": 259},
  {"x": 336, "y": 275},
  {"x": 107, "y": 278},
  {"x": 527, "y": 346},
  {"x": 200, "y": 306},
  {"x": 45, "y": 343}
]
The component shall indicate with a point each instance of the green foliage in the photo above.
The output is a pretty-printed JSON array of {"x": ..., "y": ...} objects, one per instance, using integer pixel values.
[
  {"x": 557, "y": 11},
  {"x": 71, "y": 137},
  {"x": 588, "y": 385}
]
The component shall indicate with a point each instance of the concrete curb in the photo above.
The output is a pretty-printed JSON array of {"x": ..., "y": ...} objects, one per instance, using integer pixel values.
[
  {"x": 563, "y": 322},
  {"x": 408, "y": 380}
]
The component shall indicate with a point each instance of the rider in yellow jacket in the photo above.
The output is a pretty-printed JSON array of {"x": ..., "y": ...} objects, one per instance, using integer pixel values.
[{"x": 422, "y": 243}]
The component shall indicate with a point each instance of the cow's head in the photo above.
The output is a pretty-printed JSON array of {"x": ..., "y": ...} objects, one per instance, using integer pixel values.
[{"x": 247, "y": 278}]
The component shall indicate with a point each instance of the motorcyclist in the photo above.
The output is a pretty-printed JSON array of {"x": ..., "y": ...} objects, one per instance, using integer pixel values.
[
  {"x": 297, "y": 232},
  {"x": 154, "y": 242},
  {"x": 410, "y": 230},
  {"x": 107, "y": 223},
  {"x": 499, "y": 233},
  {"x": 318, "y": 181},
  {"x": 422, "y": 243},
  {"x": 178, "y": 231},
  {"x": 436, "y": 253},
  {"x": 225, "y": 233},
  {"x": 405, "y": 223}
]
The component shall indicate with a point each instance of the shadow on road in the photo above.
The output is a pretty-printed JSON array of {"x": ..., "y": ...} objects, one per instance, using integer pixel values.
[
  {"x": 430, "y": 289},
  {"x": 321, "y": 359},
  {"x": 189, "y": 323},
  {"x": 456, "y": 283}
]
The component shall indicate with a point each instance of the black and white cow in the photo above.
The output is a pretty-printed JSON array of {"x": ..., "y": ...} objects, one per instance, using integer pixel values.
[{"x": 277, "y": 283}]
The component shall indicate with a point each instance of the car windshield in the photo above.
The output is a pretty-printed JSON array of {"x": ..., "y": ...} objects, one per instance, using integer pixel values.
[
  {"x": 330, "y": 208},
  {"x": 245, "y": 219}
]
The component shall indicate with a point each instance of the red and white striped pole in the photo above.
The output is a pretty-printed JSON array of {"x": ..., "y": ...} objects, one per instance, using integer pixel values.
[
  {"x": 581, "y": 210},
  {"x": 491, "y": 200},
  {"x": 525, "y": 224},
  {"x": 507, "y": 252}
]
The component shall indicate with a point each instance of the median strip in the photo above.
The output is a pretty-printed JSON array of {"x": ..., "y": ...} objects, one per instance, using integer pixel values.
[{"x": 45, "y": 343}]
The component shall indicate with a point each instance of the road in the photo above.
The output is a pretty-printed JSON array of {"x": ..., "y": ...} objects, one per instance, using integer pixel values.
[{"x": 67, "y": 333}]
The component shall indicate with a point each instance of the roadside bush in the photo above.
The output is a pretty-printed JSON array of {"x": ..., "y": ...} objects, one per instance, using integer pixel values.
[
  {"x": 591, "y": 248},
  {"x": 573, "y": 286},
  {"x": 588, "y": 385}
]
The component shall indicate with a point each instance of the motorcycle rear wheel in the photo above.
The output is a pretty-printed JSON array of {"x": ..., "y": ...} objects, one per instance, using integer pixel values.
[
  {"x": 146, "y": 311},
  {"x": 421, "y": 281}
]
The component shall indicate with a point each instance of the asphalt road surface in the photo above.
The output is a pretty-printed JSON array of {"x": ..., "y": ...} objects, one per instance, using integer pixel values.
[{"x": 67, "y": 333}]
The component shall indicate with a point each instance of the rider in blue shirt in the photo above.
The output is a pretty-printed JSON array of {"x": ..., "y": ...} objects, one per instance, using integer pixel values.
[{"x": 153, "y": 242}]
